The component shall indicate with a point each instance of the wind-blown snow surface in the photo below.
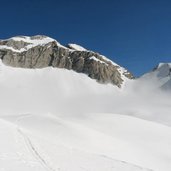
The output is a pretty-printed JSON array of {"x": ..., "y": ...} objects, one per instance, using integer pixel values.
[{"x": 55, "y": 119}]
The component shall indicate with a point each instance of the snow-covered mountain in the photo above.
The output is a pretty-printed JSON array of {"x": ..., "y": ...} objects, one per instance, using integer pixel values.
[
  {"x": 55, "y": 119},
  {"x": 160, "y": 77},
  {"x": 42, "y": 51}
]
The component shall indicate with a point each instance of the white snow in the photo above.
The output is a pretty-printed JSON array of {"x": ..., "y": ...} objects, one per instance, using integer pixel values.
[
  {"x": 39, "y": 41},
  {"x": 58, "y": 120},
  {"x": 107, "y": 59},
  {"x": 160, "y": 77},
  {"x": 36, "y": 41},
  {"x": 11, "y": 48},
  {"x": 14, "y": 151},
  {"x": 95, "y": 59},
  {"x": 76, "y": 47},
  {"x": 25, "y": 150},
  {"x": 164, "y": 64}
]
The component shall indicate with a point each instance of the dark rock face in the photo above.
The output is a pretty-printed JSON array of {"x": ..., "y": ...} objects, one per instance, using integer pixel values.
[{"x": 16, "y": 53}]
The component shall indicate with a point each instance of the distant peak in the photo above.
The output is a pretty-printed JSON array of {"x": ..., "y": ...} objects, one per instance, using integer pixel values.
[
  {"x": 163, "y": 65},
  {"x": 163, "y": 69}
]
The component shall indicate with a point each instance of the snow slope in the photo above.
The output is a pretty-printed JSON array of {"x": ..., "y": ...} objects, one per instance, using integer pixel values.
[
  {"x": 14, "y": 152},
  {"x": 55, "y": 119},
  {"x": 33, "y": 149}
]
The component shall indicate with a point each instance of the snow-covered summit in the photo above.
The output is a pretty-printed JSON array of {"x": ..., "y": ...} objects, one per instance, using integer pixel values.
[
  {"x": 163, "y": 70},
  {"x": 159, "y": 77},
  {"x": 164, "y": 64},
  {"x": 27, "y": 42},
  {"x": 20, "y": 44},
  {"x": 39, "y": 39}
]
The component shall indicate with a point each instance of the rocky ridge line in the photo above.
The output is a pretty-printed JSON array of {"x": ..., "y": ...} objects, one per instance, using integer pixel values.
[{"x": 42, "y": 51}]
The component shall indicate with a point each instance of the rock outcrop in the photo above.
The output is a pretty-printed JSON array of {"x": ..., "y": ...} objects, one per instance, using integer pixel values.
[{"x": 42, "y": 51}]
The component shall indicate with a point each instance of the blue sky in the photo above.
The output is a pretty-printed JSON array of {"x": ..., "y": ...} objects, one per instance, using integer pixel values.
[{"x": 134, "y": 33}]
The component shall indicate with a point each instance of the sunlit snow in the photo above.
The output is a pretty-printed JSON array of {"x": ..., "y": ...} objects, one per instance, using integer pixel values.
[{"x": 58, "y": 120}]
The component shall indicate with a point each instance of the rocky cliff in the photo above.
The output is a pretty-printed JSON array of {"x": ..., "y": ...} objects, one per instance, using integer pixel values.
[{"x": 42, "y": 51}]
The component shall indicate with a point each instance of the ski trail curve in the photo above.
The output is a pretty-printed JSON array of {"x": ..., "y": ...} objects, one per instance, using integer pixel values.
[{"x": 30, "y": 145}]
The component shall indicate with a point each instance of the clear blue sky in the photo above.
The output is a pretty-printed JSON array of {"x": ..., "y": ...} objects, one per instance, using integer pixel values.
[{"x": 134, "y": 33}]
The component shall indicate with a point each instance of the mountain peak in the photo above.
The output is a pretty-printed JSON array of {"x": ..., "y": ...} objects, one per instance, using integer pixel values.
[
  {"x": 159, "y": 77},
  {"x": 20, "y": 44},
  {"x": 163, "y": 69},
  {"x": 163, "y": 65},
  {"x": 41, "y": 51}
]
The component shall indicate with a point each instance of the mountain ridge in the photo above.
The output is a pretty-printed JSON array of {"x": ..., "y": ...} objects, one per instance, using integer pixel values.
[{"x": 42, "y": 51}]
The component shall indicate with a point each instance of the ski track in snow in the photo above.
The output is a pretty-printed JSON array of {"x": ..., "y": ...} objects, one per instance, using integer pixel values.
[
  {"x": 45, "y": 164},
  {"x": 29, "y": 144},
  {"x": 34, "y": 151},
  {"x": 113, "y": 163}
]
